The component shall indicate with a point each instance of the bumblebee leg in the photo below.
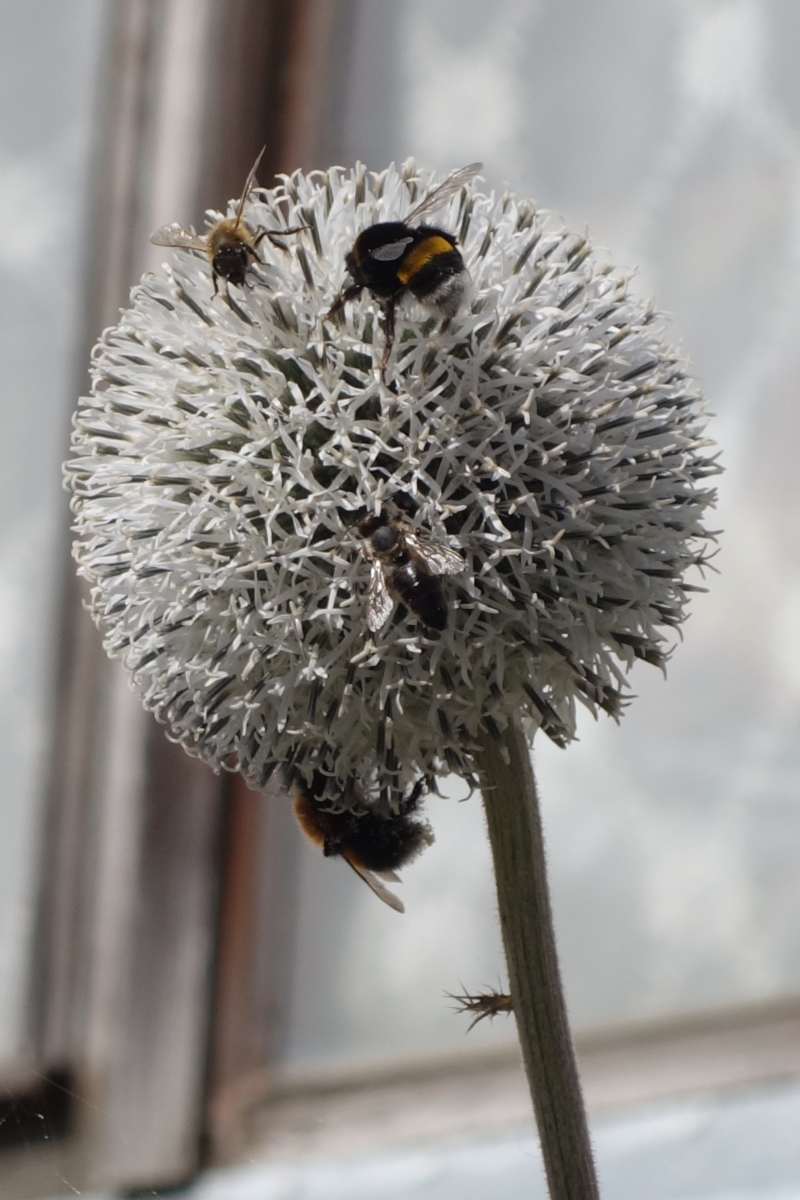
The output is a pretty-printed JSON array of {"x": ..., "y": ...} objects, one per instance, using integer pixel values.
[
  {"x": 387, "y": 323},
  {"x": 215, "y": 277},
  {"x": 349, "y": 293}
]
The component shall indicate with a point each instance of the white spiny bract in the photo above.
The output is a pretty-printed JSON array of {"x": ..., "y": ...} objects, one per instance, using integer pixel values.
[{"x": 229, "y": 446}]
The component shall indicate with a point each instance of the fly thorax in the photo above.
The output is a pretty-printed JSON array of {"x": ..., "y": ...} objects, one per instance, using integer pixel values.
[{"x": 385, "y": 541}]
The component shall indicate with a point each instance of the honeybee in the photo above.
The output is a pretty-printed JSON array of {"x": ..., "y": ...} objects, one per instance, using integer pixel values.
[
  {"x": 407, "y": 567},
  {"x": 231, "y": 245},
  {"x": 393, "y": 257},
  {"x": 373, "y": 845}
]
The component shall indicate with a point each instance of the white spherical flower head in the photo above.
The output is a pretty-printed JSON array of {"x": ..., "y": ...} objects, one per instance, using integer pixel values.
[{"x": 247, "y": 493}]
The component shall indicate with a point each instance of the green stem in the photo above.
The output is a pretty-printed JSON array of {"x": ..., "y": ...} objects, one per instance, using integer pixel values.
[{"x": 515, "y": 833}]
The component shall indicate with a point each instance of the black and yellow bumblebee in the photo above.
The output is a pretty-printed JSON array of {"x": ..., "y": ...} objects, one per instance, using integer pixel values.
[{"x": 395, "y": 257}]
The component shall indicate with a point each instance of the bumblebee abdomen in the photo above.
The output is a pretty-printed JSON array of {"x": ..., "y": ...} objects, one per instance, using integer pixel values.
[
  {"x": 431, "y": 255},
  {"x": 434, "y": 272},
  {"x": 380, "y": 843}
]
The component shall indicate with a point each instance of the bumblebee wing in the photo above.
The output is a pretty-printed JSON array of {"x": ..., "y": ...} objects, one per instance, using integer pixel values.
[
  {"x": 391, "y": 251},
  {"x": 248, "y": 187},
  {"x": 376, "y": 886},
  {"x": 177, "y": 237},
  {"x": 445, "y": 190},
  {"x": 379, "y": 601},
  {"x": 438, "y": 558}
]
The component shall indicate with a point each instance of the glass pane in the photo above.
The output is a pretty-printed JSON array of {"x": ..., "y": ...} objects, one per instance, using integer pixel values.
[
  {"x": 673, "y": 132},
  {"x": 49, "y": 57},
  {"x": 369, "y": 982}
]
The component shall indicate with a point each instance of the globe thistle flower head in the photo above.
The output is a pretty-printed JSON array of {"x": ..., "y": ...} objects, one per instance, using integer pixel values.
[{"x": 233, "y": 449}]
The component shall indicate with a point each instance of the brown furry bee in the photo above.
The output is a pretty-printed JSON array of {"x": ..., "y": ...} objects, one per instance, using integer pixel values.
[
  {"x": 231, "y": 245},
  {"x": 405, "y": 566},
  {"x": 373, "y": 845},
  {"x": 391, "y": 258}
]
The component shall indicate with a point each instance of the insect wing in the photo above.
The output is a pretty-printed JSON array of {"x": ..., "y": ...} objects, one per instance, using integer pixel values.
[
  {"x": 438, "y": 558},
  {"x": 392, "y": 251},
  {"x": 248, "y": 187},
  {"x": 178, "y": 238},
  {"x": 379, "y": 601},
  {"x": 376, "y": 886},
  {"x": 445, "y": 191}
]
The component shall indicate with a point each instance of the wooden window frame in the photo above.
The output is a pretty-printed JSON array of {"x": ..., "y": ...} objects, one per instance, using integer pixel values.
[{"x": 149, "y": 869}]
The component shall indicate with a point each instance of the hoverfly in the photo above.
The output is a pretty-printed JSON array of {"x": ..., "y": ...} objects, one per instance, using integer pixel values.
[{"x": 407, "y": 567}]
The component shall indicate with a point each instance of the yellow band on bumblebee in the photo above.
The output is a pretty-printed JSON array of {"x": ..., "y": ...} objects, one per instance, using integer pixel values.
[{"x": 421, "y": 255}]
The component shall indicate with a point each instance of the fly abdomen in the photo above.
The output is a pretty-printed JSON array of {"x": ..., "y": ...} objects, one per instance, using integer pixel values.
[{"x": 422, "y": 594}]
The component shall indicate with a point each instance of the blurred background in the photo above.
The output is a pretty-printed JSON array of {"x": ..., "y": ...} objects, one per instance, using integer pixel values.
[{"x": 183, "y": 983}]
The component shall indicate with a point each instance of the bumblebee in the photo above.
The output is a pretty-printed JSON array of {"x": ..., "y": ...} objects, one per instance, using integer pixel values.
[
  {"x": 231, "y": 245},
  {"x": 406, "y": 566},
  {"x": 395, "y": 257},
  {"x": 373, "y": 845}
]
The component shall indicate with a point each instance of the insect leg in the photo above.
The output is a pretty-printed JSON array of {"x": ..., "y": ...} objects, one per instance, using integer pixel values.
[
  {"x": 252, "y": 255},
  {"x": 387, "y": 321},
  {"x": 349, "y": 293},
  {"x": 275, "y": 235}
]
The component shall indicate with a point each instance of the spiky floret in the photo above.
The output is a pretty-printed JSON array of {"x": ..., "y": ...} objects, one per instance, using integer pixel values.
[{"x": 547, "y": 433}]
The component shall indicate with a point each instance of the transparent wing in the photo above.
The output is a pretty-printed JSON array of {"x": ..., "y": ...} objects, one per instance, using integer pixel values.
[
  {"x": 438, "y": 558},
  {"x": 177, "y": 237},
  {"x": 248, "y": 187},
  {"x": 379, "y": 602},
  {"x": 391, "y": 251},
  {"x": 376, "y": 886},
  {"x": 445, "y": 190}
]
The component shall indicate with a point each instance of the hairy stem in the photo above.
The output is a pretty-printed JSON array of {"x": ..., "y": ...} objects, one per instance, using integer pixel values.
[{"x": 515, "y": 832}]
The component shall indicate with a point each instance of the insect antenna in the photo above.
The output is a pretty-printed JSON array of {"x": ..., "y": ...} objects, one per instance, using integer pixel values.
[{"x": 387, "y": 320}]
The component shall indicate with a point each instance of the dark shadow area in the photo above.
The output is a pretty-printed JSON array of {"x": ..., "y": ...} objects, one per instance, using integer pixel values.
[{"x": 41, "y": 1114}]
